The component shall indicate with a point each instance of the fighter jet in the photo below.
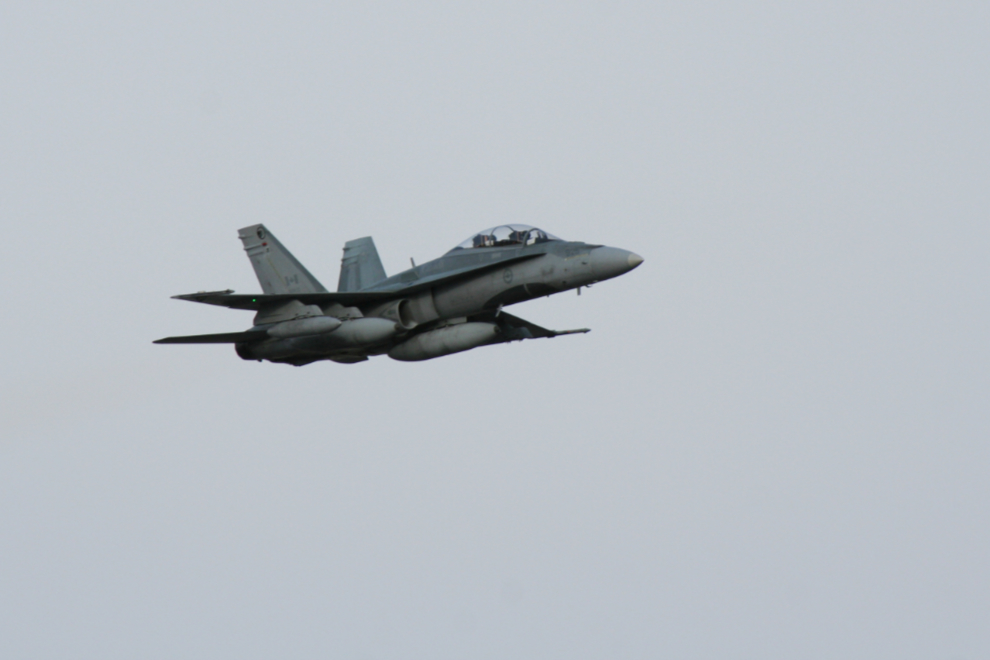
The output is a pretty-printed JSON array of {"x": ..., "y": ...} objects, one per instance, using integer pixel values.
[{"x": 448, "y": 305}]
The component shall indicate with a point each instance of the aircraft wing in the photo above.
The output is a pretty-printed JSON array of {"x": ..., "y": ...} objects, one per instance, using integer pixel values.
[
  {"x": 258, "y": 300},
  {"x": 515, "y": 328}
]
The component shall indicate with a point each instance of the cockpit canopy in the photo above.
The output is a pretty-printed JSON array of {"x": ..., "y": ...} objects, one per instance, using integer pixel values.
[{"x": 507, "y": 236}]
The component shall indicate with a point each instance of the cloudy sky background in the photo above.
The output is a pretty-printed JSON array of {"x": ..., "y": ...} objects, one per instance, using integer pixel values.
[{"x": 773, "y": 444}]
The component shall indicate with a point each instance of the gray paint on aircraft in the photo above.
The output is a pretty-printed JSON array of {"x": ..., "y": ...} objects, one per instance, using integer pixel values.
[{"x": 412, "y": 315}]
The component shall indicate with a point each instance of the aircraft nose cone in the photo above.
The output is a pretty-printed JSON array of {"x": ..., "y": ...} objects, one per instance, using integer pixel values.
[{"x": 609, "y": 262}]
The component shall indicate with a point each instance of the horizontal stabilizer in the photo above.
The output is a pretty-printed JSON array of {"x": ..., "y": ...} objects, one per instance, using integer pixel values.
[{"x": 222, "y": 338}]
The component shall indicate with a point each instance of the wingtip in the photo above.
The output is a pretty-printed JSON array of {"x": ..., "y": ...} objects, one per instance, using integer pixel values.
[
  {"x": 200, "y": 294},
  {"x": 579, "y": 331}
]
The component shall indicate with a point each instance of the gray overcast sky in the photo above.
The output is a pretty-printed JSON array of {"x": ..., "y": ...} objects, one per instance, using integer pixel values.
[{"x": 772, "y": 445}]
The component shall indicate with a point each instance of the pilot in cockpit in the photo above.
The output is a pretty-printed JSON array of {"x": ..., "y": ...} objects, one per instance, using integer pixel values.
[
  {"x": 534, "y": 236},
  {"x": 517, "y": 236},
  {"x": 483, "y": 240}
]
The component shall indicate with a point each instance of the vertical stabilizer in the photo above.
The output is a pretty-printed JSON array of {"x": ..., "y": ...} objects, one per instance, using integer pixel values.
[
  {"x": 277, "y": 270},
  {"x": 360, "y": 267}
]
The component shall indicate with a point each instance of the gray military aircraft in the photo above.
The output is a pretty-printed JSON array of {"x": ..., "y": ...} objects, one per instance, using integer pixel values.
[{"x": 445, "y": 306}]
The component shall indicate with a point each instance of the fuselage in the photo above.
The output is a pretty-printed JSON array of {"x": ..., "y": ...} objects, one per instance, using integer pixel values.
[{"x": 508, "y": 275}]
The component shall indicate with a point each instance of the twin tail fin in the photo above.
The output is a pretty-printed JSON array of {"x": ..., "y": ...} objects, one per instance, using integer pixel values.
[
  {"x": 361, "y": 266},
  {"x": 277, "y": 270}
]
